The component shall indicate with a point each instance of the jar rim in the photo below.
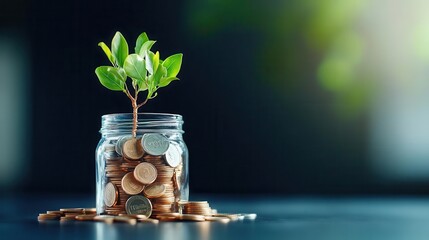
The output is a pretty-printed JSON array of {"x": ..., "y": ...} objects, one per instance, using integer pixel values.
[
  {"x": 110, "y": 115},
  {"x": 121, "y": 123}
]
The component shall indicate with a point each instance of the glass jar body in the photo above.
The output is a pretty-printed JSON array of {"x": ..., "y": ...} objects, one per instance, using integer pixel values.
[{"x": 146, "y": 174}]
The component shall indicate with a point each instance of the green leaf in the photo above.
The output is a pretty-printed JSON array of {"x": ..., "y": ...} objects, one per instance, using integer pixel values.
[
  {"x": 151, "y": 83},
  {"x": 160, "y": 73},
  {"x": 140, "y": 41},
  {"x": 146, "y": 47},
  {"x": 110, "y": 77},
  {"x": 119, "y": 49},
  {"x": 155, "y": 61},
  {"x": 122, "y": 73},
  {"x": 149, "y": 56},
  {"x": 173, "y": 64},
  {"x": 165, "y": 81},
  {"x": 106, "y": 50},
  {"x": 135, "y": 68}
]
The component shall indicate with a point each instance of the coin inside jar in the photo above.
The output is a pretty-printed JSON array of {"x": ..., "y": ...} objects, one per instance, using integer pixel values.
[
  {"x": 138, "y": 205},
  {"x": 132, "y": 149},
  {"x": 120, "y": 143},
  {"x": 154, "y": 190},
  {"x": 155, "y": 144},
  {"x": 110, "y": 194},
  {"x": 145, "y": 173},
  {"x": 130, "y": 185},
  {"x": 173, "y": 156}
]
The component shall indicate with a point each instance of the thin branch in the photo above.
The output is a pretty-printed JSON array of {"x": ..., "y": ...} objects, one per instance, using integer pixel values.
[
  {"x": 143, "y": 103},
  {"x": 128, "y": 93},
  {"x": 136, "y": 93}
]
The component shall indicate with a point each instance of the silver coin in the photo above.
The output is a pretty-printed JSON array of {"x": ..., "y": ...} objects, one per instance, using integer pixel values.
[
  {"x": 249, "y": 216},
  {"x": 173, "y": 156},
  {"x": 120, "y": 143},
  {"x": 155, "y": 144},
  {"x": 138, "y": 205}
]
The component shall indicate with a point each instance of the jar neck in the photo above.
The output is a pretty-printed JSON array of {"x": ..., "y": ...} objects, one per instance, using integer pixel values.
[{"x": 122, "y": 123}]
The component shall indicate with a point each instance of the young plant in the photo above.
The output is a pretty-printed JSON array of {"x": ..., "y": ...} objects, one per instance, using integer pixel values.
[{"x": 146, "y": 70}]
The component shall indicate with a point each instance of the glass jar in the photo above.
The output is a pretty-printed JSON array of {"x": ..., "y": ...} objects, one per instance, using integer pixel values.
[{"x": 147, "y": 174}]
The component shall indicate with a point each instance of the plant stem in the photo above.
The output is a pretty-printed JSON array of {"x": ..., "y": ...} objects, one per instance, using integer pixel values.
[
  {"x": 135, "y": 108},
  {"x": 135, "y": 114}
]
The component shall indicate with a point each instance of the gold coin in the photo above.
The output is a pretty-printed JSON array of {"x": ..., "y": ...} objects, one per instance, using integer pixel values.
[
  {"x": 193, "y": 202},
  {"x": 55, "y": 212},
  {"x": 110, "y": 194},
  {"x": 85, "y": 217},
  {"x": 149, "y": 220},
  {"x": 132, "y": 149},
  {"x": 68, "y": 218},
  {"x": 154, "y": 190},
  {"x": 130, "y": 185},
  {"x": 192, "y": 217},
  {"x": 168, "y": 215},
  {"x": 72, "y": 210},
  {"x": 104, "y": 218},
  {"x": 135, "y": 216},
  {"x": 45, "y": 216},
  {"x": 145, "y": 173}
]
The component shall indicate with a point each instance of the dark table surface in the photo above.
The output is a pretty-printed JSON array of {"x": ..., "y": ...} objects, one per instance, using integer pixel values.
[{"x": 278, "y": 218}]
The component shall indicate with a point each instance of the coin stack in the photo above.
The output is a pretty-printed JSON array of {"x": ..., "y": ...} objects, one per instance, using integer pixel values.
[
  {"x": 143, "y": 175},
  {"x": 196, "y": 207}
]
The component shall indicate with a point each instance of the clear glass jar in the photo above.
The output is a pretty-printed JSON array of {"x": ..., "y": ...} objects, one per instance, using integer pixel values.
[{"x": 143, "y": 175}]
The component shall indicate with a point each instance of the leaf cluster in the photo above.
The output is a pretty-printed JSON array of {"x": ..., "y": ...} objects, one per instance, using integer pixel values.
[{"x": 147, "y": 71}]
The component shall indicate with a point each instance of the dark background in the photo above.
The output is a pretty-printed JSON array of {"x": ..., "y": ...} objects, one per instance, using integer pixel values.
[{"x": 257, "y": 119}]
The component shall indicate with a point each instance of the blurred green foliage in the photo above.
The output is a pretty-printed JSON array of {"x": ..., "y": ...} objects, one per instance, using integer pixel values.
[{"x": 300, "y": 43}]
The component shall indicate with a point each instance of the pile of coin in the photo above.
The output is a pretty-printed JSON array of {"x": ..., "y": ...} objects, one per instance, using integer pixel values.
[
  {"x": 65, "y": 214},
  {"x": 88, "y": 214},
  {"x": 143, "y": 175},
  {"x": 198, "y": 207}
]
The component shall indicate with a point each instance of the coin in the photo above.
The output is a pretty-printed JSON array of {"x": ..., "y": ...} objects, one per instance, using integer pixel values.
[
  {"x": 155, "y": 144},
  {"x": 132, "y": 149},
  {"x": 154, "y": 190},
  {"x": 249, "y": 216},
  {"x": 149, "y": 220},
  {"x": 55, "y": 212},
  {"x": 130, "y": 185},
  {"x": 67, "y": 218},
  {"x": 196, "y": 207},
  {"x": 45, "y": 216},
  {"x": 120, "y": 143},
  {"x": 72, "y": 210},
  {"x": 124, "y": 219},
  {"x": 192, "y": 217},
  {"x": 145, "y": 173},
  {"x": 110, "y": 194},
  {"x": 231, "y": 216},
  {"x": 173, "y": 156},
  {"x": 217, "y": 219},
  {"x": 85, "y": 217},
  {"x": 176, "y": 180},
  {"x": 104, "y": 218},
  {"x": 138, "y": 205},
  {"x": 136, "y": 216}
]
